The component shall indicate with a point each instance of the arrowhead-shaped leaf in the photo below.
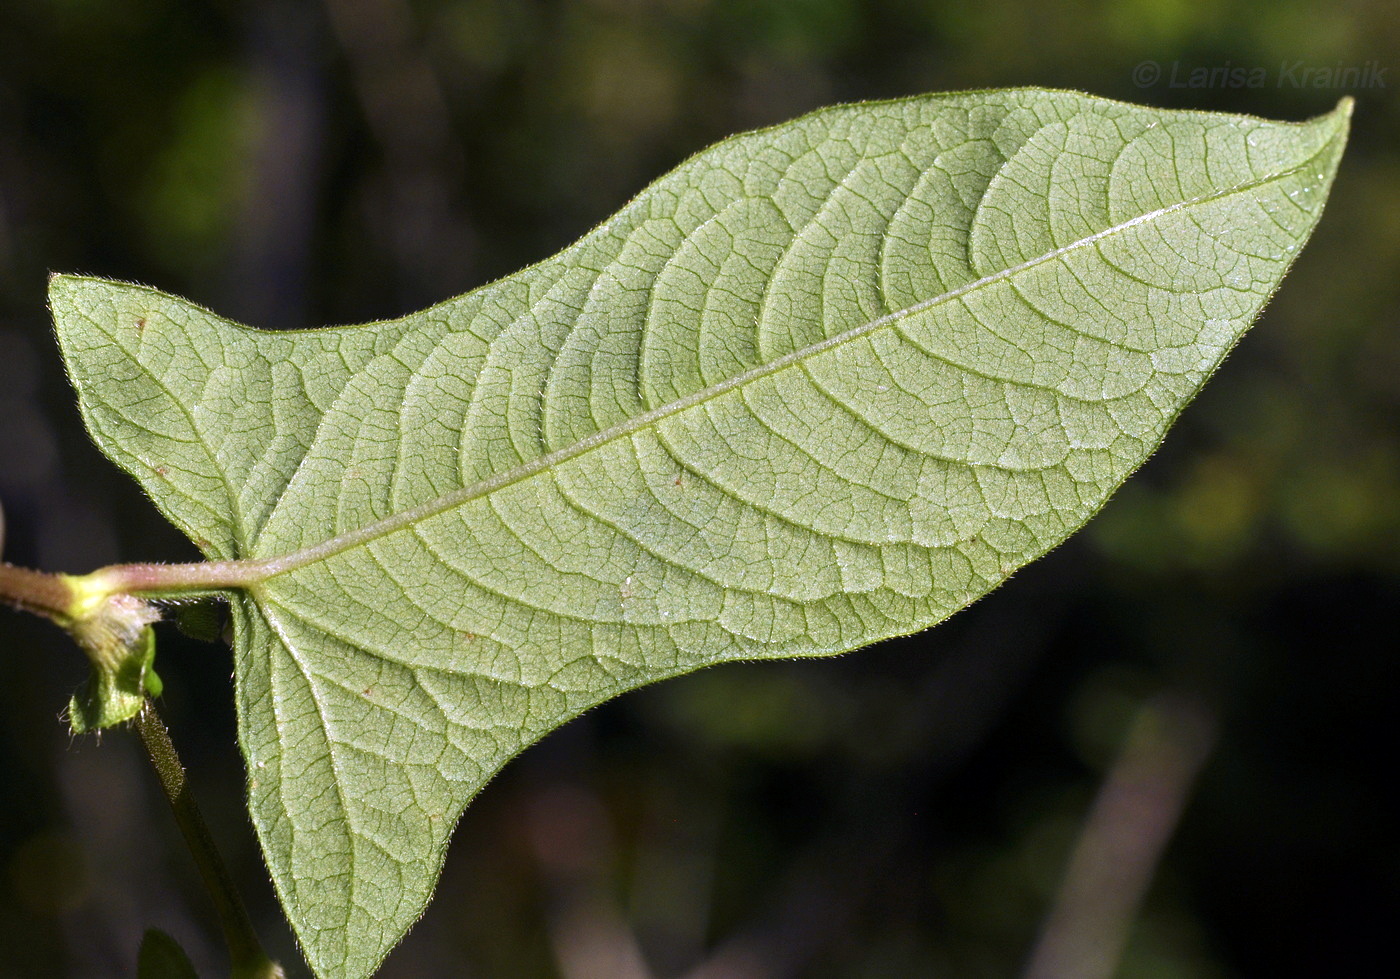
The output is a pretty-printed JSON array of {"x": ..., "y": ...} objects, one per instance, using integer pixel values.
[{"x": 821, "y": 385}]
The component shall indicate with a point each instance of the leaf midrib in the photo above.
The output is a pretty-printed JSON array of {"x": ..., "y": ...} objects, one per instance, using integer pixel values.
[{"x": 251, "y": 572}]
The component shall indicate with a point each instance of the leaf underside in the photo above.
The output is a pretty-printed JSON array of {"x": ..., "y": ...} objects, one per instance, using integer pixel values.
[{"x": 821, "y": 385}]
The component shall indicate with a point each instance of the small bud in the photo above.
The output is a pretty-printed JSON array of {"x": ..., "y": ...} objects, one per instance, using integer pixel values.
[{"x": 115, "y": 632}]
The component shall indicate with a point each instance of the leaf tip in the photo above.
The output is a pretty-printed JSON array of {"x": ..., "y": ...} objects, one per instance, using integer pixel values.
[{"x": 63, "y": 286}]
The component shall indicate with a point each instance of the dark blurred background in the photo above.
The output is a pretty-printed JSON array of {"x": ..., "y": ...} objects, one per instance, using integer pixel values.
[{"x": 1215, "y": 640}]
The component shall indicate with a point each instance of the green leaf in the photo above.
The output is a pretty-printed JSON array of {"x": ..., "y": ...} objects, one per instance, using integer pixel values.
[
  {"x": 823, "y": 384},
  {"x": 161, "y": 957},
  {"x": 116, "y": 686},
  {"x": 200, "y": 620}
]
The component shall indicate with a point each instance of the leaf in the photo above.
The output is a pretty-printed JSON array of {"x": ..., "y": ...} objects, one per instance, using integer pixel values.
[
  {"x": 823, "y": 384},
  {"x": 200, "y": 620},
  {"x": 161, "y": 957},
  {"x": 116, "y": 686}
]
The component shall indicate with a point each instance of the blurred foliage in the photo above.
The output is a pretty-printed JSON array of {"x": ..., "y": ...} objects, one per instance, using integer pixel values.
[{"x": 903, "y": 811}]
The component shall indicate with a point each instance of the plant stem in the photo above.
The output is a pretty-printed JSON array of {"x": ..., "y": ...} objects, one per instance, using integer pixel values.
[
  {"x": 171, "y": 580},
  {"x": 248, "y": 959},
  {"x": 63, "y": 597},
  {"x": 35, "y": 591},
  {"x": 1123, "y": 839}
]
